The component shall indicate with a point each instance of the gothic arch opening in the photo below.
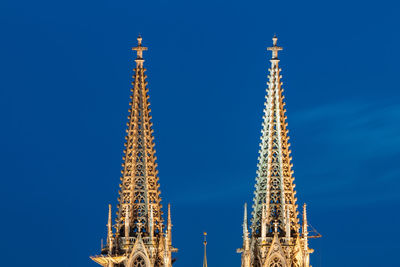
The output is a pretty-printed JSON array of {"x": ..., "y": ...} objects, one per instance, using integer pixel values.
[
  {"x": 139, "y": 262},
  {"x": 276, "y": 262}
]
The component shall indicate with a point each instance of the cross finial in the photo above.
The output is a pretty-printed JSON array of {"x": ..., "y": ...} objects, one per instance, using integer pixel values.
[
  {"x": 274, "y": 47},
  {"x": 139, "y": 49}
]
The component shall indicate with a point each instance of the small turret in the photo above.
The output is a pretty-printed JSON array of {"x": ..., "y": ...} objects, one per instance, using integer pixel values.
[
  {"x": 169, "y": 226},
  {"x": 205, "y": 250}
]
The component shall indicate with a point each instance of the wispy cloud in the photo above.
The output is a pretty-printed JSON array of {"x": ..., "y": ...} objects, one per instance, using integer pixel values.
[
  {"x": 354, "y": 148},
  {"x": 346, "y": 153}
]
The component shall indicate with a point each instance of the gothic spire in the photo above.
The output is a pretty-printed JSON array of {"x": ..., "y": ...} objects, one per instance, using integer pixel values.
[
  {"x": 139, "y": 194},
  {"x": 139, "y": 239},
  {"x": 275, "y": 229},
  {"x": 274, "y": 196}
]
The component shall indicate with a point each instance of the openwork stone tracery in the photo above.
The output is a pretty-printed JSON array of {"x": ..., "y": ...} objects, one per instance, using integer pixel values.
[
  {"x": 139, "y": 262},
  {"x": 276, "y": 262}
]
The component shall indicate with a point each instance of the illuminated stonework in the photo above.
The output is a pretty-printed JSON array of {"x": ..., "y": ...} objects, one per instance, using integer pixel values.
[
  {"x": 276, "y": 240},
  {"x": 138, "y": 240}
]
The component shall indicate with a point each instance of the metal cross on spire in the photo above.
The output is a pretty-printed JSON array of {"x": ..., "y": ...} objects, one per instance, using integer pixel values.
[
  {"x": 139, "y": 49},
  {"x": 274, "y": 48}
]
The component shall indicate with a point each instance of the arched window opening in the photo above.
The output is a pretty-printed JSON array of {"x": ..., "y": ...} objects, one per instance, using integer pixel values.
[
  {"x": 276, "y": 262},
  {"x": 139, "y": 262}
]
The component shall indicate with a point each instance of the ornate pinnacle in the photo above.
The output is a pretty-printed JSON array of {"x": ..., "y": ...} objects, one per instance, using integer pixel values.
[
  {"x": 109, "y": 229},
  {"x": 245, "y": 229},
  {"x": 305, "y": 227},
  {"x": 274, "y": 48},
  {"x": 169, "y": 226},
  {"x": 205, "y": 250}
]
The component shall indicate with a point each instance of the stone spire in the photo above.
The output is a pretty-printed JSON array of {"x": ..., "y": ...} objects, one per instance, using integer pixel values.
[
  {"x": 139, "y": 237},
  {"x": 275, "y": 187},
  {"x": 139, "y": 186},
  {"x": 275, "y": 229}
]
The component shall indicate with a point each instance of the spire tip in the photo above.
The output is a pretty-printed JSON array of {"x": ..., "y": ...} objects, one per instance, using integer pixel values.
[
  {"x": 274, "y": 47},
  {"x": 274, "y": 40},
  {"x": 139, "y": 50}
]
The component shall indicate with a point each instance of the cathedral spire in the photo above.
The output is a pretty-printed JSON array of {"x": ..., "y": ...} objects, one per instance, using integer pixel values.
[
  {"x": 275, "y": 229},
  {"x": 275, "y": 187},
  {"x": 139, "y": 187},
  {"x": 139, "y": 239}
]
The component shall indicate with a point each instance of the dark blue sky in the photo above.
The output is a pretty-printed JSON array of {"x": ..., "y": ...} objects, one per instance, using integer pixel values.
[{"x": 66, "y": 67}]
